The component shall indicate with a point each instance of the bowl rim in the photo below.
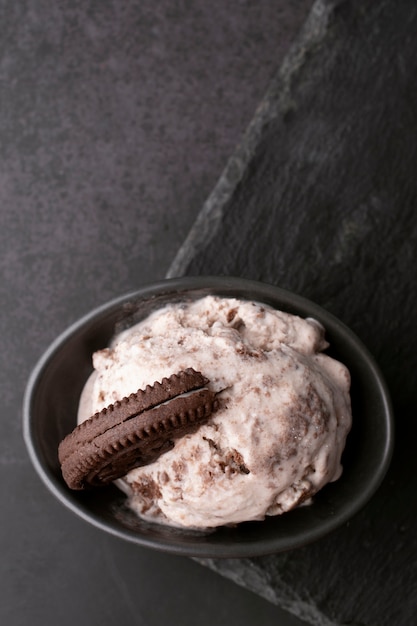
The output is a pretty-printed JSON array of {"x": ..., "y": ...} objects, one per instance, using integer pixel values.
[{"x": 217, "y": 283}]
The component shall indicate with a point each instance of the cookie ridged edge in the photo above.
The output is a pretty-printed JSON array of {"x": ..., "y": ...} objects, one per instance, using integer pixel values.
[
  {"x": 136, "y": 437},
  {"x": 130, "y": 406}
]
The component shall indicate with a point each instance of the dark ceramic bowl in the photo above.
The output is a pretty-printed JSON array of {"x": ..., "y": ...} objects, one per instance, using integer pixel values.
[{"x": 50, "y": 409}]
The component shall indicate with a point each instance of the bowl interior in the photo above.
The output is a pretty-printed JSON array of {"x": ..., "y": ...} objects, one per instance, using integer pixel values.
[{"x": 51, "y": 404}]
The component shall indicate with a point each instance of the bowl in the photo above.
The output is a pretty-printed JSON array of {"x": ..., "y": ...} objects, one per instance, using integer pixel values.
[{"x": 50, "y": 410}]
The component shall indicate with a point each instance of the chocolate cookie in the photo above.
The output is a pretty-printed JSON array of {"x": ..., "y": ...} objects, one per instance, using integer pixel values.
[{"x": 135, "y": 430}]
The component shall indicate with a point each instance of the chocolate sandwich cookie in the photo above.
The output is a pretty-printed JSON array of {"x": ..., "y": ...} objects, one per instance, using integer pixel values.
[{"x": 135, "y": 430}]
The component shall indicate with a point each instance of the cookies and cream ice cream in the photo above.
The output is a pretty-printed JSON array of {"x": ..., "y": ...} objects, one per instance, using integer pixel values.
[{"x": 283, "y": 412}]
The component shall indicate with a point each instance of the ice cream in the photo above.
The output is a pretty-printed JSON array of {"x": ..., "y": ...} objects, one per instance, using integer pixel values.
[{"x": 280, "y": 429}]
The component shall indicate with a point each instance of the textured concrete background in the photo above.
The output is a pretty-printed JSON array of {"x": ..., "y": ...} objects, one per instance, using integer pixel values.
[{"x": 116, "y": 119}]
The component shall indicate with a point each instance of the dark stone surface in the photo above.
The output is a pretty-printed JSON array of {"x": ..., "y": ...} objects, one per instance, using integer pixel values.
[
  {"x": 116, "y": 119},
  {"x": 321, "y": 199}
]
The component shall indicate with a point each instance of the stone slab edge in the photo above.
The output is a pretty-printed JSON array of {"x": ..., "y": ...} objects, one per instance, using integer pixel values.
[{"x": 277, "y": 101}]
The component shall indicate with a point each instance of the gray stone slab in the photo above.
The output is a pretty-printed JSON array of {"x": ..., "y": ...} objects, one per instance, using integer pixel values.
[{"x": 321, "y": 198}]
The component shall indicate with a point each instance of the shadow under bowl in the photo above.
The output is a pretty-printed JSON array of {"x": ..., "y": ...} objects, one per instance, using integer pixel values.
[{"x": 51, "y": 404}]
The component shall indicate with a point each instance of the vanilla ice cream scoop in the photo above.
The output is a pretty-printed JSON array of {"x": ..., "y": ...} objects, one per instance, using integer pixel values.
[{"x": 280, "y": 429}]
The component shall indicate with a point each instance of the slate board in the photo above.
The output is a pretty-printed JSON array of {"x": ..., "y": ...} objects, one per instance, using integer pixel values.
[{"x": 321, "y": 198}]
